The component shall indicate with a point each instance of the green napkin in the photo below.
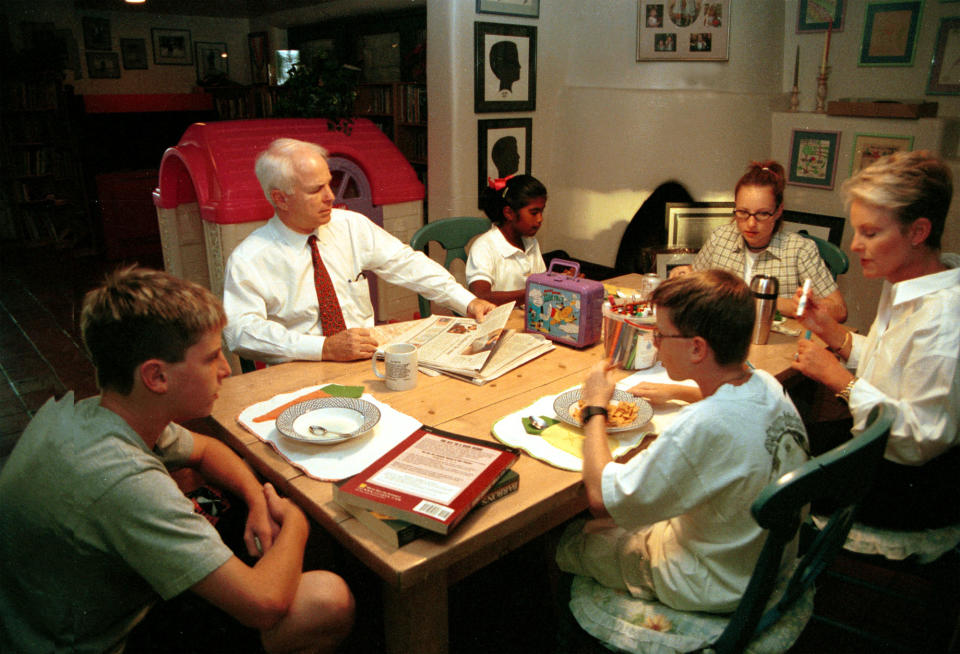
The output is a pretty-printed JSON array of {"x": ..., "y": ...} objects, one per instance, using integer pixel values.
[
  {"x": 338, "y": 390},
  {"x": 530, "y": 429}
]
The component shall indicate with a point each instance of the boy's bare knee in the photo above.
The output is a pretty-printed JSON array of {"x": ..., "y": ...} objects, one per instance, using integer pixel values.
[{"x": 321, "y": 616}]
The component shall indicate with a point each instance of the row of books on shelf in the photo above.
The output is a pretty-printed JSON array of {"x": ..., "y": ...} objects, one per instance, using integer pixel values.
[
  {"x": 34, "y": 162},
  {"x": 376, "y": 100},
  {"x": 31, "y": 127},
  {"x": 30, "y": 96},
  {"x": 413, "y": 104},
  {"x": 428, "y": 484}
]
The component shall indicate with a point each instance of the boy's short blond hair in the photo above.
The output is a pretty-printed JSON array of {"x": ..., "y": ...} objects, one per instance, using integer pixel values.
[{"x": 139, "y": 314}]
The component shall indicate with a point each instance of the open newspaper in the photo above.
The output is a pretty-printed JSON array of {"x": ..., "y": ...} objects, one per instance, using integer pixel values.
[{"x": 477, "y": 352}]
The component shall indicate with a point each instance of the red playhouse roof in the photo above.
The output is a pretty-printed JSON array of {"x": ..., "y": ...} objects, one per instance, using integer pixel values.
[{"x": 212, "y": 165}]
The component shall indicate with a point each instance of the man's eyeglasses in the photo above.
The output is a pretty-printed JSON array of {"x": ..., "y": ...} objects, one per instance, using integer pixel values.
[
  {"x": 743, "y": 215},
  {"x": 658, "y": 336}
]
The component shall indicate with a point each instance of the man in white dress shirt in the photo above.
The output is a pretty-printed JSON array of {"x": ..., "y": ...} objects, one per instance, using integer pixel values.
[{"x": 270, "y": 295}]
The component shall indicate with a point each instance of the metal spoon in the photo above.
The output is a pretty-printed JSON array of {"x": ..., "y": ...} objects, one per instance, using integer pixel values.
[
  {"x": 537, "y": 422},
  {"x": 320, "y": 430}
]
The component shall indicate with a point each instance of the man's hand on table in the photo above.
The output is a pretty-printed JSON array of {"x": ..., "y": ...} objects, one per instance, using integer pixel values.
[
  {"x": 478, "y": 309},
  {"x": 349, "y": 345}
]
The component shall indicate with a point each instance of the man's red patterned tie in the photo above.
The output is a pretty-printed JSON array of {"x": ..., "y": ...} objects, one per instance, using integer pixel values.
[{"x": 331, "y": 317}]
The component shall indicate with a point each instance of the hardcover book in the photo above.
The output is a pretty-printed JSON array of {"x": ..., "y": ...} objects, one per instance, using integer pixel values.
[
  {"x": 432, "y": 479},
  {"x": 397, "y": 533}
]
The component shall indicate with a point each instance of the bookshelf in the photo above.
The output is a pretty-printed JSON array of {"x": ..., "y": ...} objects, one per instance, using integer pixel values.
[
  {"x": 234, "y": 102},
  {"x": 400, "y": 110},
  {"x": 44, "y": 191}
]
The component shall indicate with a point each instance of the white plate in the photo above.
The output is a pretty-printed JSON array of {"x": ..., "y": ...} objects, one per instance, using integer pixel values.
[
  {"x": 343, "y": 418},
  {"x": 568, "y": 399}
]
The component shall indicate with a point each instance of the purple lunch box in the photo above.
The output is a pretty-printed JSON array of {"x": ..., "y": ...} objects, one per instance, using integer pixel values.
[{"x": 564, "y": 308}]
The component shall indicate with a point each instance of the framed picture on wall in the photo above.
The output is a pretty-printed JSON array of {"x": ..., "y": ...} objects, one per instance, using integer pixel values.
[
  {"x": 689, "y": 224},
  {"x": 509, "y": 7},
  {"x": 683, "y": 31},
  {"x": 667, "y": 260},
  {"x": 813, "y": 158},
  {"x": 259, "y": 57},
  {"x": 103, "y": 65},
  {"x": 505, "y": 63},
  {"x": 890, "y": 33},
  {"x": 213, "y": 63},
  {"x": 172, "y": 47},
  {"x": 96, "y": 33},
  {"x": 867, "y": 148},
  {"x": 134, "y": 53},
  {"x": 504, "y": 148},
  {"x": 945, "y": 67},
  {"x": 820, "y": 15}
]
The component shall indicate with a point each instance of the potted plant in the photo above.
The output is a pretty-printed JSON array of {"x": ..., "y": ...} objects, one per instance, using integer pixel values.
[{"x": 323, "y": 88}]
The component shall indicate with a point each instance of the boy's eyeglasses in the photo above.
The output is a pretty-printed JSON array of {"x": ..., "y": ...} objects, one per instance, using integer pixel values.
[{"x": 658, "y": 336}]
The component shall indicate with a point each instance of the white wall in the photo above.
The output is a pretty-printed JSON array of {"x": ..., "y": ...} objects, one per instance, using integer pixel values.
[{"x": 607, "y": 129}]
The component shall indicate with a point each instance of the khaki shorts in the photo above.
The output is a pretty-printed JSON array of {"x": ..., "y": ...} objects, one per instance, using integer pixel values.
[{"x": 611, "y": 555}]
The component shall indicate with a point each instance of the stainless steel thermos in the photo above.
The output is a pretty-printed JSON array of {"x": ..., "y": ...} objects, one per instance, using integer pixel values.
[{"x": 764, "y": 288}]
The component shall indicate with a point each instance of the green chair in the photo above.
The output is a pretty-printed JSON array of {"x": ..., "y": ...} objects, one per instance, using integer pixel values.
[
  {"x": 453, "y": 234},
  {"x": 775, "y": 606},
  {"x": 835, "y": 258}
]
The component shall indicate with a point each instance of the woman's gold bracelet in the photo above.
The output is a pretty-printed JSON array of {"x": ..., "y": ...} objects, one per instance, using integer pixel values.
[
  {"x": 847, "y": 337},
  {"x": 845, "y": 393}
]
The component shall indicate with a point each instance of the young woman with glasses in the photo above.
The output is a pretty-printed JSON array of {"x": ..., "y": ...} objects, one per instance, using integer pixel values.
[{"x": 753, "y": 243}]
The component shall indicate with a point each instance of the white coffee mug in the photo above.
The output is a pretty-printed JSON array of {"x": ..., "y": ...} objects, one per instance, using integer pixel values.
[{"x": 401, "y": 365}]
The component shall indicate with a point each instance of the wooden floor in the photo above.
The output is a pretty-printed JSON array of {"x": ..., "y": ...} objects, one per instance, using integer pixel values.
[{"x": 504, "y": 608}]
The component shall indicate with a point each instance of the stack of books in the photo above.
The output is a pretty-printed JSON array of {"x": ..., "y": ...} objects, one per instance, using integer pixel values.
[{"x": 427, "y": 483}]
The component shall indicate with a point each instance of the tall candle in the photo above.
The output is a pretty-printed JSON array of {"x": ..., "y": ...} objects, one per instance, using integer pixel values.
[
  {"x": 796, "y": 66},
  {"x": 826, "y": 47}
]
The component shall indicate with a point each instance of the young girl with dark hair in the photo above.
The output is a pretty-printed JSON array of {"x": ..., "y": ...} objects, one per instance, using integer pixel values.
[{"x": 501, "y": 259}]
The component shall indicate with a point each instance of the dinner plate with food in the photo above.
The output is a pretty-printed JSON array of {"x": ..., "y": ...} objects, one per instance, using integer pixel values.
[{"x": 624, "y": 412}]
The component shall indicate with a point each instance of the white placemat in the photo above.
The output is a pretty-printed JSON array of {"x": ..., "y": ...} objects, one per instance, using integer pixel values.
[
  {"x": 509, "y": 429},
  {"x": 330, "y": 462}
]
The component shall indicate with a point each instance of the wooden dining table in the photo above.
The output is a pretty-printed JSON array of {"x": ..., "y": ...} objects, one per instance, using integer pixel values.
[{"x": 415, "y": 578}]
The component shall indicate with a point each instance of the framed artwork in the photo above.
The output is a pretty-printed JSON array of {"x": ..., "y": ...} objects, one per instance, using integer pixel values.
[
  {"x": 667, "y": 260},
  {"x": 689, "y": 224},
  {"x": 504, "y": 147},
  {"x": 505, "y": 61},
  {"x": 172, "y": 47},
  {"x": 945, "y": 67},
  {"x": 890, "y": 33},
  {"x": 286, "y": 61},
  {"x": 819, "y": 15},
  {"x": 683, "y": 31},
  {"x": 259, "y": 57},
  {"x": 867, "y": 148},
  {"x": 813, "y": 158},
  {"x": 213, "y": 62},
  {"x": 134, "y": 52},
  {"x": 509, "y": 7},
  {"x": 96, "y": 33},
  {"x": 103, "y": 65},
  {"x": 829, "y": 228}
]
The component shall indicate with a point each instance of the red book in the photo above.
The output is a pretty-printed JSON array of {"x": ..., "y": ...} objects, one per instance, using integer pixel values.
[{"x": 432, "y": 479}]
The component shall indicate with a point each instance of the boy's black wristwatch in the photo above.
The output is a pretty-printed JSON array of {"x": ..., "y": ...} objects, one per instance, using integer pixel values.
[{"x": 589, "y": 411}]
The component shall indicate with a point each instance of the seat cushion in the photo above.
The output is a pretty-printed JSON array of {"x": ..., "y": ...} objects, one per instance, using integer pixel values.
[
  {"x": 627, "y": 624},
  {"x": 925, "y": 546}
]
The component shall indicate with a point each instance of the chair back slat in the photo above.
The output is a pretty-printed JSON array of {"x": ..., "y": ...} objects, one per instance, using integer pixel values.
[{"x": 453, "y": 234}]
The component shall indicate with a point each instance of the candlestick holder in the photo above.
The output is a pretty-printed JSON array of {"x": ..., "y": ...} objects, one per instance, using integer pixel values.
[
  {"x": 794, "y": 99},
  {"x": 822, "y": 89}
]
